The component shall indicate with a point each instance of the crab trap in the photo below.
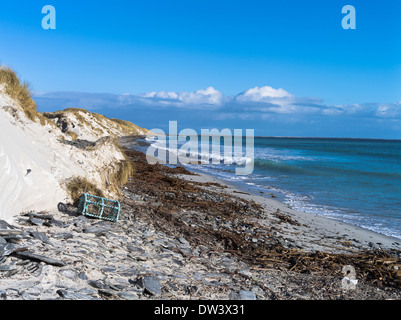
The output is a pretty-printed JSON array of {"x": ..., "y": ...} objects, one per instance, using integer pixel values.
[{"x": 99, "y": 207}]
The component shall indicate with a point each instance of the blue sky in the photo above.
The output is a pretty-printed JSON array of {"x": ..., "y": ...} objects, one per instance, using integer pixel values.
[{"x": 279, "y": 67}]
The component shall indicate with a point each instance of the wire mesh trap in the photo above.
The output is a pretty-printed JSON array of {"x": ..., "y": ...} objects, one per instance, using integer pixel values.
[{"x": 98, "y": 207}]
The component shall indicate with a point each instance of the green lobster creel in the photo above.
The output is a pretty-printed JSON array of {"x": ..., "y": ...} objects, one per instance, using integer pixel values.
[{"x": 99, "y": 207}]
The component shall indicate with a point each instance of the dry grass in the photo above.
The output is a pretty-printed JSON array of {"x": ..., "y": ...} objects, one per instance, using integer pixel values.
[
  {"x": 127, "y": 126},
  {"x": 125, "y": 168},
  {"x": 78, "y": 186},
  {"x": 113, "y": 179},
  {"x": 124, "y": 172},
  {"x": 19, "y": 91}
]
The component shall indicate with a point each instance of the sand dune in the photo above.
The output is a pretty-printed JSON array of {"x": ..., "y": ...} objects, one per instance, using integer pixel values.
[{"x": 35, "y": 163}]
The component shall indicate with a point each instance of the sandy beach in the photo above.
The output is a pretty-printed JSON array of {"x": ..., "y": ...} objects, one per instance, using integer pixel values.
[
  {"x": 181, "y": 235},
  {"x": 184, "y": 236},
  {"x": 313, "y": 233}
]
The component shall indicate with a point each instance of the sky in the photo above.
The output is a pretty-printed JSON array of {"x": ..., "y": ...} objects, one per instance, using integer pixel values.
[{"x": 282, "y": 68}]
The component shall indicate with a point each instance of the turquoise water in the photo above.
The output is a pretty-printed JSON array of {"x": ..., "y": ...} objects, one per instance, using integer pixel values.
[{"x": 353, "y": 180}]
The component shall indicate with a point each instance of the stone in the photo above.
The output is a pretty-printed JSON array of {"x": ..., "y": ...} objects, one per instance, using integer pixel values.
[
  {"x": 7, "y": 267},
  {"x": 128, "y": 295},
  {"x": 81, "y": 220},
  {"x": 94, "y": 229},
  {"x": 82, "y": 276},
  {"x": 69, "y": 273},
  {"x": 246, "y": 295},
  {"x": 40, "y": 236},
  {"x": 9, "y": 232},
  {"x": 183, "y": 241},
  {"x": 55, "y": 223},
  {"x": 35, "y": 221},
  {"x": 5, "y": 225},
  {"x": 96, "y": 284},
  {"x": 133, "y": 248},
  {"x": 152, "y": 285},
  {"x": 8, "y": 248},
  {"x": 106, "y": 292},
  {"x": 63, "y": 235},
  {"x": 149, "y": 284},
  {"x": 71, "y": 295},
  {"x": 39, "y": 216},
  {"x": 30, "y": 255}
]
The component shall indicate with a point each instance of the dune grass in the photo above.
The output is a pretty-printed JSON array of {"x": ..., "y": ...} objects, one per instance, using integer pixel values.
[
  {"x": 19, "y": 90},
  {"x": 78, "y": 186}
]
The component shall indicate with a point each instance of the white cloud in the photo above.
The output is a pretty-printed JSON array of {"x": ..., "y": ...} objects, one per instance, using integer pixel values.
[
  {"x": 161, "y": 95},
  {"x": 203, "y": 96},
  {"x": 391, "y": 110},
  {"x": 208, "y": 96},
  {"x": 255, "y": 103},
  {"x": 266, "y": 94}
]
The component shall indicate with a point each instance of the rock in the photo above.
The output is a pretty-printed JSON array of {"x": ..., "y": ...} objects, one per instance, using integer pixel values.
[
  {"x": 5, "y": 225},
  {"x": 107, "y": 293},
  {"x": 183, "y": 241},
  {"x": 133, "y": 248},
  {"x": 82, "y": 276},
  {"x": 7, "y": 267},
  {"x": 8, "y": 248},
  {"x": 150, "y": 285},
  {"x": 63, "y": 235},
  {"x": 71, "y": 295},
  {"x": 246, "y": 295},
  {"x": 35, "y": 221},
  {"x": 39, "y": 216},
  {"x": 81, "y": 220},
  {"x": 55, "y": 223},
  {"x": 26, "y": 296},
  {"x": 69, "y": 273},
  {"x": 94, "y": 229},
  {"x": 128, "y": 295},
  {"x": 109, "y": 269},
  {"x": 9, "y": 232},
  {"x": 30, "y": 255},
  {"x": 97, "y": 284},
  {"x": 40, "y": 236}
]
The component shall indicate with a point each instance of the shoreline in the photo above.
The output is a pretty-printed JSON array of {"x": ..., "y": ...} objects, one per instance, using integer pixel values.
[
  {"x": 324, "y": 227},
  {"x": 184, "y": 236},
  {"x": 321, "y": 226}
]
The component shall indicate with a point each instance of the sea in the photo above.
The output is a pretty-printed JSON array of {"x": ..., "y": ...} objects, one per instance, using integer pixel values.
[{"x": 357, "y": 181}]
